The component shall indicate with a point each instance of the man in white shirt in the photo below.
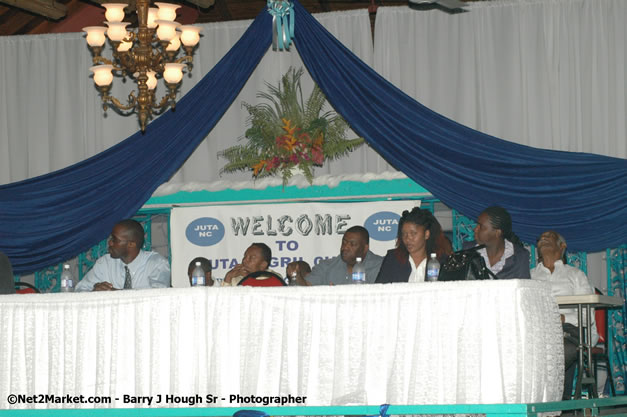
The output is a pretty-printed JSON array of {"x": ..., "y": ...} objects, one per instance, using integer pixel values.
[
  {"x": 564, "y": 280},
  {"x": 127, "y": 266}
]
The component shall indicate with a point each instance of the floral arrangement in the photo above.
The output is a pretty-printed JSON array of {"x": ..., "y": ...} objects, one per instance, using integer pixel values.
[{"x": 287, "y": 134}]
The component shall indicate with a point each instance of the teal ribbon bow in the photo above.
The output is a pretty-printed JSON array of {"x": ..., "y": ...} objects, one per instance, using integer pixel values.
[{"x": 282, "y": 12}]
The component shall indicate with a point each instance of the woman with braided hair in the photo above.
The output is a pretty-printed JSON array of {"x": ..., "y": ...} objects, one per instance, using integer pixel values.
[
  {"x": 504, "y": 253},
  {"x": 419, "y": 234}
]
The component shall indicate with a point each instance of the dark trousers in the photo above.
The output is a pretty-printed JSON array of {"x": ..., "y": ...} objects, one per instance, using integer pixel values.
[{"x": 571, "y": 356}]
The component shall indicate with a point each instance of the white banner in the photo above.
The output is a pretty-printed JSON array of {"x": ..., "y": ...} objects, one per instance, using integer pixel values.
[{"x": 294, "y": 231}]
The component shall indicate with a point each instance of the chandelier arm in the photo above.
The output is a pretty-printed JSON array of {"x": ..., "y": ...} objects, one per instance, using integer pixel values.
[
  {"x": 127, "y": 62},
  {"x": 131, "y": 36},
  {"x": 132, "y": 102},
  {"x": 102, "y": 60},
  {"x": 168, "y": 99}
]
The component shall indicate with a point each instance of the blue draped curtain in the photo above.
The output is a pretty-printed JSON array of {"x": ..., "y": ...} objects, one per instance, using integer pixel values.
[
  {"x": 583, "y": 196},
  {"x": 51, "y": 218},
  {"x": 48, "y": 219}
]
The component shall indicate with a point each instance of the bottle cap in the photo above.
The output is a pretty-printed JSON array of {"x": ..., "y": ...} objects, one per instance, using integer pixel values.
[
  {"x": 433, "y": 255},
  {"x": 358, "y": 259}
]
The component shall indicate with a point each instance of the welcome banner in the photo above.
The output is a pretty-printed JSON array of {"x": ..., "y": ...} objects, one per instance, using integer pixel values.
[{"x": 294, "y": 231}]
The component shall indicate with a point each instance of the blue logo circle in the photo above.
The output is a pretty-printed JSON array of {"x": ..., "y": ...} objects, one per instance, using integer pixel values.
[
  {"x": 205, "y": 231},
  {"x": 383, "y": 225}
]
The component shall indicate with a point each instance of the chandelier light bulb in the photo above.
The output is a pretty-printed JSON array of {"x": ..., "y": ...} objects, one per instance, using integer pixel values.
[
  {"x": 152, "y": 80},
  {"x": 167, "y": 11},
  {"x": 166, "y": 30},
  {"x": 102, "y": 75},
  {"x": 173, "y": 73},
  {"x": 117, "y": 31},
  {"x": 152, "y": 17},
  {"x": 95, "y": 35},
  {"x": 115, "y": 11},
  {"x": 190, "y": 35},
  {"x": 175, "y": 44},
  {"x": 125, "y": 46}
]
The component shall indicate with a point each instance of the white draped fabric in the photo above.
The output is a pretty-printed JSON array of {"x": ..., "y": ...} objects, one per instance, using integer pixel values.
[
  {"x": 51, "y": 114},
  {"x": 437, "y": 343},
  {"x": 548, "y": 73},
  {"x": 545, "y": 73}
]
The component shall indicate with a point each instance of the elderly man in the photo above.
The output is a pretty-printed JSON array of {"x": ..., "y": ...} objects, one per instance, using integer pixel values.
[
  {"x": 126, "y": 265},
  {"x": 564, "y": 280},
  {"x": 254, "y": 265},
  {"x": 338, "y": 270}
]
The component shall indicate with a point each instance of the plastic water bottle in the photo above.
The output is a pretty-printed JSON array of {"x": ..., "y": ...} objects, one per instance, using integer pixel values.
[
  {"x": 198, "y": 276},
  {"x": 67, "y": 280},
  {"x": 433, "y": 269},
  {"x": 293, "y": 279},
  {"x": 359, "y": 272}
]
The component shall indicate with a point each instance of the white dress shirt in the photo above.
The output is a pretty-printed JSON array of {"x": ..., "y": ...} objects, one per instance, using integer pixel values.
[
  {"x": 148, "y": 270},
  {"x": 417, "y": 272},
  {"x": 497, "y": 267},
  {"x": 567, "y": 280}
]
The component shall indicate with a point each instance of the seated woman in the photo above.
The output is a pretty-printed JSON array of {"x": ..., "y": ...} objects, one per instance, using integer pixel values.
[
  {"x": 418, "y": 232},
  {"x": 504, "y": 253}
]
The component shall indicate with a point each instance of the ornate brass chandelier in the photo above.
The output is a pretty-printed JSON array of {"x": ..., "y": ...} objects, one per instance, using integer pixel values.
[{"x": 143, "y": 55}]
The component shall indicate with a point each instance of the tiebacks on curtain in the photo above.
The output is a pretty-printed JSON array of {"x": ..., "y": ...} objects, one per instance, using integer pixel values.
[{"x": 282, "y": 12}]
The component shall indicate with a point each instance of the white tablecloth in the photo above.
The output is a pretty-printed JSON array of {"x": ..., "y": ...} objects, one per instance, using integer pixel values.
[{"x": 430, "y": 343}]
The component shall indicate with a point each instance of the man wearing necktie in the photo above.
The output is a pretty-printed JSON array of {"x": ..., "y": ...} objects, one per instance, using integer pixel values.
[{"x": 126, "y": 265}]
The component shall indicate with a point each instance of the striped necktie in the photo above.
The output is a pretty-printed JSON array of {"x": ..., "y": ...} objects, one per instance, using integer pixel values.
[{"x": 127, "y": 278}]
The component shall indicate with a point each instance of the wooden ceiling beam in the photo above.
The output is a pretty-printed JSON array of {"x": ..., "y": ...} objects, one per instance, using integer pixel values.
[
  {"x": 48, "y": 8},
  {"x": 205, "y": 4}
]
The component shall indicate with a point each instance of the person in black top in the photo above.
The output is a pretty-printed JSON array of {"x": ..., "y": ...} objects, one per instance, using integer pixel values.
[
  {"x": 418, "y": 235},
  {"x": 504, "y": 253},
  {"x": 7, "y": 283}
]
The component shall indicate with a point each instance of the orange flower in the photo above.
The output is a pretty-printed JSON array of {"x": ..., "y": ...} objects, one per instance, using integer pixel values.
[
  {"x": 258, "y": 167},
  {"x": 289, "y": 143},
  {"x": 318, "y": 141},
  {"x": 286, "y": 126}
]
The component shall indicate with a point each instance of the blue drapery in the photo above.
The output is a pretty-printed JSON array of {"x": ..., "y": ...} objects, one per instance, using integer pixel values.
[
  {"x": 583, "y": 196},
  {"x": 48, "y": 219},
  {"x": 51, "y": 218}
]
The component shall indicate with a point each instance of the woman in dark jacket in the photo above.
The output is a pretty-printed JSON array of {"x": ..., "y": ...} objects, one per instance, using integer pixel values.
[
  {"x": 504, "y": 253},
  {"x": 7, "y": 284},
  {"x": 418, "y": 234}
]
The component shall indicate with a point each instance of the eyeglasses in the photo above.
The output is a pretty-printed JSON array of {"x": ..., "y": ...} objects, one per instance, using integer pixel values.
[{"x": 115, "y": 240}]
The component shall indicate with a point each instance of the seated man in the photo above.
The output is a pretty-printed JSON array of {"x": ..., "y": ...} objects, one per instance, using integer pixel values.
[
  {"x": 255, "y": 265},
  {"x": 205, "y": 265},
  {"x": 339, "y": 270},
  {"x": 564, "y": 280},
  {"x": 127, "y": 266}
]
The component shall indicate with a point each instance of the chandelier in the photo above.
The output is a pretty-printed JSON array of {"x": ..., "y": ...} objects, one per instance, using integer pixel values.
[{"x": 144, "y": 55}]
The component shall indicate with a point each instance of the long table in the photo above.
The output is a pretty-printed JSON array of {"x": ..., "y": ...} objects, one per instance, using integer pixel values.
[{"x": 476, "y": 342}]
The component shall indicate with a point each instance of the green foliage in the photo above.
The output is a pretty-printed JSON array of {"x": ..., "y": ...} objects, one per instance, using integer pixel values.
[{"x": 287, "y": 132}]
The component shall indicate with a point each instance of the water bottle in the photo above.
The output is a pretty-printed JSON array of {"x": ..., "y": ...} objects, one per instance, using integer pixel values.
[
  {"x": 67, "y": 280},
  {"x": 433, "y": 269},
  {"x": 198, "y": 276},
  {"x": 359, "y": 272},
  {"x": 293, "y": 279}
]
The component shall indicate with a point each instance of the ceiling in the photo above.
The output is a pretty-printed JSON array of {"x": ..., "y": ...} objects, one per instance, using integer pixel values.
[{"x": 21, "y": 17}]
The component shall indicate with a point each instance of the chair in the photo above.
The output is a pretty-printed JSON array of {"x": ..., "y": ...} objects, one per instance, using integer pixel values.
[
  {"x": 262, "y": 279},
  {"x": 25, "y": 288},
  {"x": 599, "y": 352}
]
